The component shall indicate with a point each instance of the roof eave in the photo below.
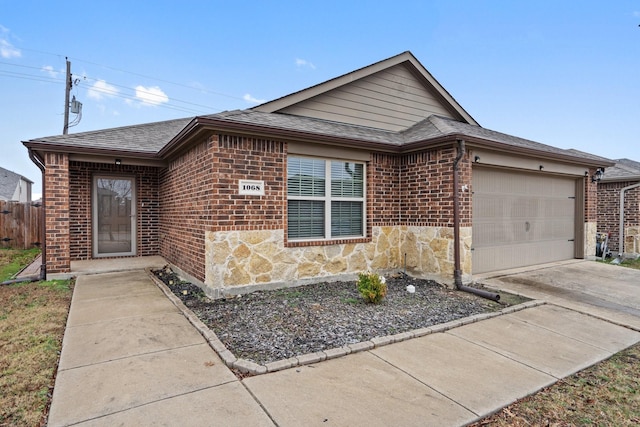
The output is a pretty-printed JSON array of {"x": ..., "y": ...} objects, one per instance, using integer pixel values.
[
  {"x": 499, "y": 146},
  {"x": 43, "y": 147},
  {"x": 202, "y": 125},
  {"x": 630, "y": 178}
]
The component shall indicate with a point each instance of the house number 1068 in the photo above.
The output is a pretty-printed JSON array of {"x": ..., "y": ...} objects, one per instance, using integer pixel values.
[{"x": 250, "y": 187}]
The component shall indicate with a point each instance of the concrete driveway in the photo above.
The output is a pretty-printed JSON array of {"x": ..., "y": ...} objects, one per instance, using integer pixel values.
[
  {"x": 131, "y": 357},
  {"x": 605, "y": 291}
]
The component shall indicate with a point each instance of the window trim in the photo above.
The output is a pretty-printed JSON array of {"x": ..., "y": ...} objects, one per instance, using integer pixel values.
[{"x": 327, "y": 199}]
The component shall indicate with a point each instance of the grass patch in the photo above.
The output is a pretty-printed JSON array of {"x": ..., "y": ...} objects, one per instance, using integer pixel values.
[
  {"x": 607, "y": 394},
  {"x": 630, "y": 263},
  {"x": 32, "y": 321},
  {"x": 14, "y": 260}
]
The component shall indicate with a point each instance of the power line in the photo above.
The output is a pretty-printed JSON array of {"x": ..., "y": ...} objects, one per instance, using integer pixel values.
[
  {"x": 31, "y": 77},
  {"x": 159, "y": 79},
  {"x": 136, "y": 74},
  {"x": 112, "y": 93},
  {"x": 115, "y": 93}
]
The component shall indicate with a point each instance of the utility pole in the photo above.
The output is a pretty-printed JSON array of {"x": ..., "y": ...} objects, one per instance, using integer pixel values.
[{"x": 67, "y": 91}]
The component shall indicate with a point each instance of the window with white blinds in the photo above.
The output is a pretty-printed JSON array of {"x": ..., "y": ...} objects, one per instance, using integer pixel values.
[{"x": 326, "y": 199}]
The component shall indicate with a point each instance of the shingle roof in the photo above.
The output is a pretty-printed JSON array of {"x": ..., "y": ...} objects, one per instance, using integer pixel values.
[
  {"x": 146, "y": 138},
  {"x": 9, "y": 182},
  {"x": 311, "y": 125},
  {"x": 623, "y": 170},
  {"x": 430, "y": 128}
]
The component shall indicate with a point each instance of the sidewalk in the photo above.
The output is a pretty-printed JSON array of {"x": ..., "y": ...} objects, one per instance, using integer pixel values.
[{"x": 131, "y": 358}]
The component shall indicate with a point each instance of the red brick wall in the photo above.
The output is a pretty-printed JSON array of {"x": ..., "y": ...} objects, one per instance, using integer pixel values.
[
  {"x": 415, "y": 189},
  {"x": 147, "y": 206},
  {"x": 609, "y": 208},
  {"x": 426, "y": 188},
  {"x": 383, "y": 203},
  {"x": 591, "y": 199},
  {"x": 80, "y": 210},
  {"x": 199, "y": 192},
  {"x": 249, "y": 158},
  {"x": 56, "y": 204}
]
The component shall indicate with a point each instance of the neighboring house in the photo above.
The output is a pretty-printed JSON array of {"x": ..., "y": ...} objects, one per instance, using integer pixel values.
[
  {"x": 353, "y": 174},
  {"x": 14, "y": 187},
  {"x": 620, "y": 185}
]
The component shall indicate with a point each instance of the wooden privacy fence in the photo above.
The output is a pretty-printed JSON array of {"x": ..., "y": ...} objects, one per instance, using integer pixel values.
[{"x": 20, "y": 225}]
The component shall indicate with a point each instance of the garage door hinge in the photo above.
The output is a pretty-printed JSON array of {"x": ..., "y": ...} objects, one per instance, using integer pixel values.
[
  {"x": 572, "y": 197},
  {"x": 571, "y": 240}
]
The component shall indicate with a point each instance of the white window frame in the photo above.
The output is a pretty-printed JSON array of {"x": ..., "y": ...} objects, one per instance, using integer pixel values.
[{"x": 327, "y": 199}]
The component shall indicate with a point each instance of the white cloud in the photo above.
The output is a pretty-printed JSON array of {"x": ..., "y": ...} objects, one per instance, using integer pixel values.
[
  {"x": 151, "y": 96},
  {"x": 101, "y": 89},
  {"x": 304, "y": 63},
  {"x": 50, "y": 70},
  {"x": 247, "y": 97},
  {"x": 7, "y": 50}
]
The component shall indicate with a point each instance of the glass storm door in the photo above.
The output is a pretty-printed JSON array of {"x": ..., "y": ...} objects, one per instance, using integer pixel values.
[{"x": 114, "y": 225}]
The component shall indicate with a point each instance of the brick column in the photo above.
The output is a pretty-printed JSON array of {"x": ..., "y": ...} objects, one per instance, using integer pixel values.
[
  {"x": 591, "y": 199},
  {"x": 56, "y": 205}
]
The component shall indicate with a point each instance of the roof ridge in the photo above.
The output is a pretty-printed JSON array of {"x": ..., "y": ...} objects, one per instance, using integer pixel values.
[
  {"x": 632, "y": 165},
  {"x": 440, "y": 123}
]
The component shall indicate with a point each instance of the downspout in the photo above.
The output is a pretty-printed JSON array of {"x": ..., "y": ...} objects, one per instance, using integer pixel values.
[
  {"x": 43, "y": 266},
  {"x": 457, "y": 271},
  {"x": 621, "y": 229}
]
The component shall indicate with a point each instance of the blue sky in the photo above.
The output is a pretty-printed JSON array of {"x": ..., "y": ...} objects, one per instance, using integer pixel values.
[{"x": 564, "y": 73}]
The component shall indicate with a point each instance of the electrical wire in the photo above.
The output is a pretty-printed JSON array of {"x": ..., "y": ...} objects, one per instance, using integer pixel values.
[
  {"x": 112, "y": 93},
  {"x": 184, "y": 106},
  {"x": 158, "y": 79},
  {"x": 130, "y": 72}
]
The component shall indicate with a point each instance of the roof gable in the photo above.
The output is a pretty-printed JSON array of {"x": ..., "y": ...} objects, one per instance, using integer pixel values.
[
  {"x": 392, "y": 95},
  {"x": 9, "y": 182}
]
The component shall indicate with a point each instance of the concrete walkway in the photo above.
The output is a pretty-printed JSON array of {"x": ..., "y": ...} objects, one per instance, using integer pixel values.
[{"x": 131, "y": 358}]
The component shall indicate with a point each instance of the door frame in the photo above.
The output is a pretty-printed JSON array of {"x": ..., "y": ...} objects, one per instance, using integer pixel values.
[{"x": 94, "y": 216}]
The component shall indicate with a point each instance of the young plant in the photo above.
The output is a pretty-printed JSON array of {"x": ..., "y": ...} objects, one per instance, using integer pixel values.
[{"x": 372, "y": 287}]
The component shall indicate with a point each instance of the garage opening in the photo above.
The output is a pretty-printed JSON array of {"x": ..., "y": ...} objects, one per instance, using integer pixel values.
[{"x": 521, "y": 219}]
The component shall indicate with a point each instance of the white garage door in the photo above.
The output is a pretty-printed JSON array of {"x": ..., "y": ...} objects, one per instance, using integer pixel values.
[{"x": 521, "y": 219}]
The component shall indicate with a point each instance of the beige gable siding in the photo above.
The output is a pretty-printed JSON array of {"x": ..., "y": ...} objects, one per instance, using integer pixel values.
[{"x": 393, "y": 99}]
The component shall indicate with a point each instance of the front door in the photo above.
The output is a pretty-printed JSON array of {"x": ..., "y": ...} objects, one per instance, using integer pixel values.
[{"x": 114, "y": 217}]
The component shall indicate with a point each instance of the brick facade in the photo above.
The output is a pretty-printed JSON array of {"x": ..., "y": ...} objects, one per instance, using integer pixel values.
[
  {"x": 147, "y": 206},
  {"x": 609, "y": 209},
  {"x": 199, "y": 192},
  {"x": 426, "y": 188},
  {"x": 56, "y": 204},
  {"x": 383, "y": 179},
  {"x": 591, "y": 199}
]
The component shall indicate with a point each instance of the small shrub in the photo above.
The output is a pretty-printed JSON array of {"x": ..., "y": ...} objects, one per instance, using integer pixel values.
[{"x": 372, "y": 287}]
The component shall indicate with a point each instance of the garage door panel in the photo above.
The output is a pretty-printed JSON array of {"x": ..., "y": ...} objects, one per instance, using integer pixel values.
[
  {"x": 521, "y": 219},
  {"x": 520, "y": 255}
]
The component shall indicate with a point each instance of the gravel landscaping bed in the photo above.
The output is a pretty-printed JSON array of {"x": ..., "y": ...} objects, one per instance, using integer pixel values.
[{"x": 266, "y": 326}]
